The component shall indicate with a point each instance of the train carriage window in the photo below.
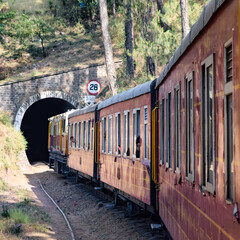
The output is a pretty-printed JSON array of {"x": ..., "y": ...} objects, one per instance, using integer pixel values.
[
  {"x": 189, "y": 135},
  {"x": 104, "y": 134},
  {"x": 110, "y": 134},
  {"x": 136, "y": 133},
  {"x": 168, "y": 132},
  {"x": 228, "y": 121},
  {"x": 71, "y": 134},
  {"x": 79, "y": 134},
  {"x": 177, "y": 132},
  {"x": 208, "y": 134},
  {"x": 92, "y": 132},
  {"x": 146, "y": 132},
  {"x": 88, "y": 134},
  {"x": 162, "y": 129},
  {"x": 75, "y": 135},
  {"x": 63, "y": 125},
  {"x": 118, "y": 133},
  {"x": 126, "y": 137},
  {"x": 84, "y": 134}
]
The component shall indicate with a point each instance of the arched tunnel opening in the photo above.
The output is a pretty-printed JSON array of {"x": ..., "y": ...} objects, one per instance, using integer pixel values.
[{"x": 35, "y": 126}]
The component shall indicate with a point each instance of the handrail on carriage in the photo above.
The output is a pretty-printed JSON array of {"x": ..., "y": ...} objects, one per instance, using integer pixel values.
[{"x": 153, "y": 146}]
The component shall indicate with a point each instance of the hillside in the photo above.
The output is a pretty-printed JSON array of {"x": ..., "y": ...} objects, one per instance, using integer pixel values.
[
  {"x": 67, "y": 46},
  {"x": 71, "y": 35},
  {"x": 66, "y": 51},
  {"x": 23, "y": 5}
]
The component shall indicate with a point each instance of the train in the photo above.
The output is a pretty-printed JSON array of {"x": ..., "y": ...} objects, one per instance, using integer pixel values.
[{"x": 170, "y": 145}]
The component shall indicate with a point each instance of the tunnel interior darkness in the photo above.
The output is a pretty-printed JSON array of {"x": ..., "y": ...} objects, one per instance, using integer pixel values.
[{"x": 35, "y": 126}]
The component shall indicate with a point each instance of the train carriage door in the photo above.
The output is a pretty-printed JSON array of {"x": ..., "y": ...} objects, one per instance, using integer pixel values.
[{"x": 96, "y": 170}]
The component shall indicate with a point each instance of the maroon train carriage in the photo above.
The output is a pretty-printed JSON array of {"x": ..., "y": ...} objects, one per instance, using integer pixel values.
[
  {"x": 198, "y": 95},
  {"x": 81, "y": 142},
  {"x": 125, "y": 152}
]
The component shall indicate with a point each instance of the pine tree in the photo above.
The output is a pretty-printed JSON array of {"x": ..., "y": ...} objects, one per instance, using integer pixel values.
[{"x": 111, "y": 72}]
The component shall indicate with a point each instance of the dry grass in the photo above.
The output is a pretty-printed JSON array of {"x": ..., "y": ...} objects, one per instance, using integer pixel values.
[
  {"x": 29, "y": 6},
  {"x": 72, "y": 49}
]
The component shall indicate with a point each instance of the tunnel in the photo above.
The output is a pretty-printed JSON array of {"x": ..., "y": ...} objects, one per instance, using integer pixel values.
[{"x": 35, "y": 126}]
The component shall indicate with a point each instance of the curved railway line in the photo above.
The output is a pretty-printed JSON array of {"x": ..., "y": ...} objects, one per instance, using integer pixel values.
[{"x": 92, "y": 214}]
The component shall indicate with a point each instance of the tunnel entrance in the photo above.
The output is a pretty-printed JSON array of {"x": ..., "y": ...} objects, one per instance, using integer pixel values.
[{"x": 35, "y": 126}]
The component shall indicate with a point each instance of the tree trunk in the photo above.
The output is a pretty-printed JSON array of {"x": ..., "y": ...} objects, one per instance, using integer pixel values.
[
  {"x": 43, "y": 48},
  {"x": 129, "y": 43},
  {"x": 150, "y": 63},
  {"x": 184, "y": 17},
  {"x": 160, "y": 6},
  {"x": 111, "y": 72},
  {"x": 114, "y": 9}
]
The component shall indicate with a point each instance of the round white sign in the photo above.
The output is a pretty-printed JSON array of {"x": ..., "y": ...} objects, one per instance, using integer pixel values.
[{"x": 93, "y": 87}]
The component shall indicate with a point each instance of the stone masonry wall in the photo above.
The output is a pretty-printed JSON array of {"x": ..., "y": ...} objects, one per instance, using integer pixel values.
[{"x": 17, "y": 97}]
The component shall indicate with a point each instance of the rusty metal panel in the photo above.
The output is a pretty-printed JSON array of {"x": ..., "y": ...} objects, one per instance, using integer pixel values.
[
  {"x": 185, "y": 210},
  {"x": 80, "y": 159},
  {"x": 127, "y": 174}
]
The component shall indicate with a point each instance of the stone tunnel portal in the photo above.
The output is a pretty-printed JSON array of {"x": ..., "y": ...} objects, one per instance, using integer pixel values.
[{"x": 35, "y": 126}]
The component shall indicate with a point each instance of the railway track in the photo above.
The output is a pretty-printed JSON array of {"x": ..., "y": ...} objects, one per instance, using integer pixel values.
[{"x": 93, "y": 214}]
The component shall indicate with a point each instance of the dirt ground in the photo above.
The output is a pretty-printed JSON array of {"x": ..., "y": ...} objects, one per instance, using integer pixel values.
[{"x": 89, "y": 218}]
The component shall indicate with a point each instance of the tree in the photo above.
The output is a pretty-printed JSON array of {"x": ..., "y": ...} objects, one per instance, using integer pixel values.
[
  {"x": 25, "y": 28},
  {"x": 184, "y": 18},
  {"x": 160, "y": 6},
  {"x": 129, "y": 39},
  {"x": 147, "y": 33},
  {"x": 42, "y": 30},
  {"x": 6, "y": 17},
  {"x": 111, "y": 72}
]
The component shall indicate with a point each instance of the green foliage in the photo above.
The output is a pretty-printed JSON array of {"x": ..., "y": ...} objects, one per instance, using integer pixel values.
[
  {"x": 6, "y": 17},
  {"x": 25, "y": 203},
  {"x": 23, "y": 215},
  {"x": 5, "y": 119},
  {"x": 5, "y": 211},
  {"x": 3, "y": 186},
  {"x": 117, "y": 31},
  {"x": 150, "y": 38},
  {"x": 19, "y": 216}
]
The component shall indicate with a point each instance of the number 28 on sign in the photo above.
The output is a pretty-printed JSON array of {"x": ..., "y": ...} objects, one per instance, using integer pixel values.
[{"x": 93, "y": 87}]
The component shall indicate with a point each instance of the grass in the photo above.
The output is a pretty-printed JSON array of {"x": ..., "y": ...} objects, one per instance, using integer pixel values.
[
  {"x": 19, "y": 216},
  {"x": 3, "y": 186},
  {"x": 23, "y": 5},
  {"x": 23, "y": 217},
  {"x": 11, "y": 143},
  {"x": 22, "y": 194}
]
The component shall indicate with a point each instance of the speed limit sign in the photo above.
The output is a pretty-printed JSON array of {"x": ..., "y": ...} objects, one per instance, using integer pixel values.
[{"x": 93, "y": 87}]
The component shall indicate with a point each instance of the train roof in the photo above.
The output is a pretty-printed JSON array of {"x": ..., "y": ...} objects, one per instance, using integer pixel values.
[
  {"x": 84, "y": 110},
  {"x": 129, "y": 94},
  {"x": 207, "y": 13},
  {"x": 61, "y": 115}
]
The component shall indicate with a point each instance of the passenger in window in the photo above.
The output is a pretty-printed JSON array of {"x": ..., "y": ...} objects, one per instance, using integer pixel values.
[
  {"x": 119, "y": 149},
  {"x": 138, "y": 145}
]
